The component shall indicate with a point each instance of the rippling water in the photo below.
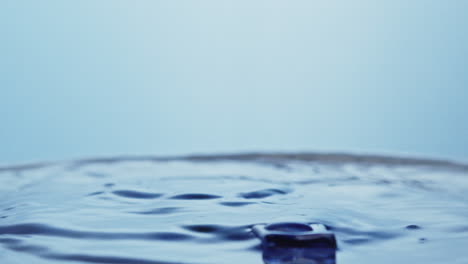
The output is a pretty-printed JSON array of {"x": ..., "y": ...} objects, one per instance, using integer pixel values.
[{"x": 201, "y": 209}]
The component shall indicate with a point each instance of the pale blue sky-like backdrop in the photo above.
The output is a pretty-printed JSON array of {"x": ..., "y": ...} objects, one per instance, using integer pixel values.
[{"x": 94, "y": 78}]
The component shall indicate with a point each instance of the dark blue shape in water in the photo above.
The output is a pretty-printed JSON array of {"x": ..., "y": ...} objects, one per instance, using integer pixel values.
[
  {"x": 205, "y": 228},
  {"x": 295, "y": 234},
  {"x": 159, "y": 211},
  {"x": 298, "y": 255},
  {"x": 195, "y": 196},
  {"x": 289, "y": 243},
  {"x": 289, "y": 227},
  {"x": 262, "y": 193},
  {"x": 413, "y": 227},
  {"x": 136, "y": 194}
]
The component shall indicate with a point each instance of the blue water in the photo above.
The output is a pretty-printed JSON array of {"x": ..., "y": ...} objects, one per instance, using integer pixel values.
[{"x": 201, "y": 209}]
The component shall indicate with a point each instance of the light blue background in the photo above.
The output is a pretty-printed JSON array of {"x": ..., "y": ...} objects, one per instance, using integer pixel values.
[{"x": 107, "y": 77}]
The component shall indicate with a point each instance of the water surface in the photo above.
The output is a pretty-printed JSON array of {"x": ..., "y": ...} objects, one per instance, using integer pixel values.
[{"x": 201, "y": 209}]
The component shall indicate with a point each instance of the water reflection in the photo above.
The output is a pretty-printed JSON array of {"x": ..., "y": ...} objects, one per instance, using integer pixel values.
[
  {"x": 296, "y": 243},
  {"x": 298, "y": 255}
]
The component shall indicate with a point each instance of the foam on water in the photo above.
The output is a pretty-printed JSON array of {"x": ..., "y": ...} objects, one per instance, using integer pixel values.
[{"x": 201, "y": 209}]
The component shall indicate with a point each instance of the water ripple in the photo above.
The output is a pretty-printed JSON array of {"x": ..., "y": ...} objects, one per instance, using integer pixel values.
[
  {"x": 195, "y": 196},
  {"x": 45, "y": 230},
  {"x": 137, "y": 194},
  {"x": 201, "y": 209}
]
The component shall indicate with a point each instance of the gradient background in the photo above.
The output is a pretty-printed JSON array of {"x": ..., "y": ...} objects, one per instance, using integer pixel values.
[{"x": 107, "y": 77}]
